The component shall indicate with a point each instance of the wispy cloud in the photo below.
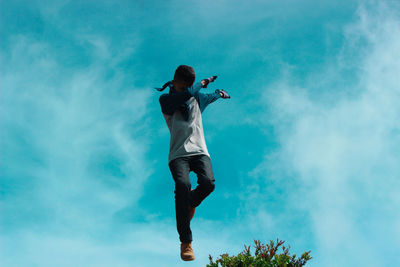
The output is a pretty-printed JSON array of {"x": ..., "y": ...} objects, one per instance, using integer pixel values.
[
  {"x": 341, "y": 148},
  {"x": 71, "y": 155}
]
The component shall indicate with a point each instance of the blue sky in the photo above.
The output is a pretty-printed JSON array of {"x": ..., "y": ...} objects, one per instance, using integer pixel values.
[{"x": 307, "y": 149}]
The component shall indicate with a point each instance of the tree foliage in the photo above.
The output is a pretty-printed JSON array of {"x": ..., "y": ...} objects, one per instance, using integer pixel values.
[{"x": 266, "y": 255}]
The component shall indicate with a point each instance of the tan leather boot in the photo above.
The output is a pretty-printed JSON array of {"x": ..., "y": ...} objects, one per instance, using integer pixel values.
[{"x": 187, "y": 253}]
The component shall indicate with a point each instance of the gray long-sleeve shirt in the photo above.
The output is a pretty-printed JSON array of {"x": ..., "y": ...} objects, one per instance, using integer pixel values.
[{"x": 187, "y": 136}]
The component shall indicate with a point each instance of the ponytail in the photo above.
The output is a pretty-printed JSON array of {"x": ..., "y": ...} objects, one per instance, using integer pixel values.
[{"x": 164, "y": 86}]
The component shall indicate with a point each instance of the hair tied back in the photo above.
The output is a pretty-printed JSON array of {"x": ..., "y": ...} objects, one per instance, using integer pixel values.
[{"x": 164, "y": 86}]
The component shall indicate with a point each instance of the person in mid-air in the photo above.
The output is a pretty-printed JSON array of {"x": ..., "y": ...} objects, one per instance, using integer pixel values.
[{"x": 182, "y": 108}]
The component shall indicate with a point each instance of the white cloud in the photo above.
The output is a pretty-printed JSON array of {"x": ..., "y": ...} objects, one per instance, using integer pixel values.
[
  {"x": 59, "y": 128},
  {"x": 344, "y": 154}
]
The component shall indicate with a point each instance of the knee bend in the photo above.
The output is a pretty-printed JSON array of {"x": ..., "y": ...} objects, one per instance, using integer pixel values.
[
  {"x": 212, "y": 187},
  {"x": 209, "y": 186}
]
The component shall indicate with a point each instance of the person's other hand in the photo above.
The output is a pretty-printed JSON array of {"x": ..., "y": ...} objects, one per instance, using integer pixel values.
[
  {"x": 223, "y": 93},
  {"x": 205, "y": 82}
]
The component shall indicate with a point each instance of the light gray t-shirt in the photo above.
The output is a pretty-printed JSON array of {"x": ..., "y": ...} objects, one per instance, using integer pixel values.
[{"x": 187, "y": 137}]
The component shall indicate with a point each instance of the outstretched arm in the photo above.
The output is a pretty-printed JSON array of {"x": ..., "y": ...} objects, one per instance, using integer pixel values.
[
  {"x": 206, "y": 99},
  {"x": 171, "y": 101}
]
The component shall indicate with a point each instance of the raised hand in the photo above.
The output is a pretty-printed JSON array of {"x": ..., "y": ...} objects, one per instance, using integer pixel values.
[
  {"x": 213, "y": 78},
  {"x": 223, "y": 93},
  {"x": 205, "y": 82}
]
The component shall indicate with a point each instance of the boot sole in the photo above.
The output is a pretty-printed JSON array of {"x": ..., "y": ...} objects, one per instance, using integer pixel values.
[{"x": 188, "y": 258}]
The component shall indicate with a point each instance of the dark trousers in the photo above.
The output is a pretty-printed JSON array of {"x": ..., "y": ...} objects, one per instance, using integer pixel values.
[{"x": 184, "y": 197}]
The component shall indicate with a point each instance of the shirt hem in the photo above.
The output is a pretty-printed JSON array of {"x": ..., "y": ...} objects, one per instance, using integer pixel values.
[{"x": 187, "y": 155}]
